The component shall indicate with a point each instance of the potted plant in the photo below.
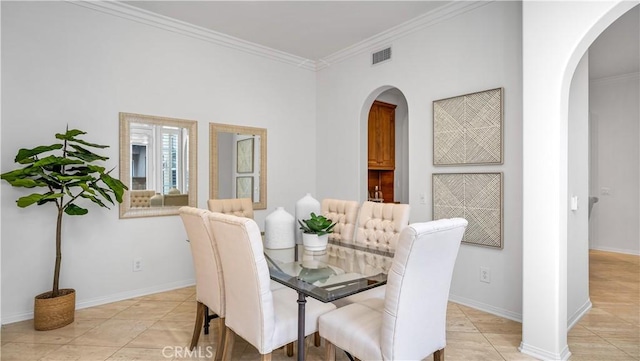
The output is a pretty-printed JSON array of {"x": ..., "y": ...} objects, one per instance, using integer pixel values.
[
  {"x": 66, "y": 173},
  {"x": 315, "y": 232}
]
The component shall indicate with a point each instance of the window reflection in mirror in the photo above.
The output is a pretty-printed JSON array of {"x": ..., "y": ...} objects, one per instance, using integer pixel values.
[
  {"x": 157, "y": 155},
  {"x": 238, "y": 163}
]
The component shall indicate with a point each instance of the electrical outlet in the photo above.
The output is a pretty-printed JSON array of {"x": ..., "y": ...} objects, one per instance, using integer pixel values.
[
  {"x": 137, "y": 264},
  {"x": 485, "y": 274}
]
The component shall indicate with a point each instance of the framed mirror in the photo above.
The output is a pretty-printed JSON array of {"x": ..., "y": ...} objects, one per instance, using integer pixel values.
[
  {"x": 238, "y": 163},
  {"x": 158, "y": 163}
]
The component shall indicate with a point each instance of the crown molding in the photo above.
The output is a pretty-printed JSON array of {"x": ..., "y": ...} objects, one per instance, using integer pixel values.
[
  {"x": 133, "y": 13},
  {"x": 385, "y": 38}
]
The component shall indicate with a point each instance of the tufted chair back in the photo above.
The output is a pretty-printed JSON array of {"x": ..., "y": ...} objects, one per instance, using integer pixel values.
[
  {"x": 379, "y": 226},
  {"x": 140, "y": 198},
  {"x": 241, "y": 207},
  {"x": 345, "y": 214}
]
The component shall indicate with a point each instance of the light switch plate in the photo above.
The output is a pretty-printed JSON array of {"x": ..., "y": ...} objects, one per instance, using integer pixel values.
[{"x": 574, "y": 203}]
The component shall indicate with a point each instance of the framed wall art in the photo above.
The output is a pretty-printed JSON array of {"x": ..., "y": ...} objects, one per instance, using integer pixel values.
[
  {"x": 467, "y": 129},
  {"x": 476, "y": 197},
  {"x": 244, "y": 156},
  {"x": 244, "y": 187}
]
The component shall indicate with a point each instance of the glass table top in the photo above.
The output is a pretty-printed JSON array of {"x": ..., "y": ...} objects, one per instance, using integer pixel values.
[{"x": 318, "y": 279}]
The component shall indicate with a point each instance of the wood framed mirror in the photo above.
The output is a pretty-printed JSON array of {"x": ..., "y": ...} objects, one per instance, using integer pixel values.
[
  {"x": 238, "y": 163},
  {"x": 158, "y": 162}
]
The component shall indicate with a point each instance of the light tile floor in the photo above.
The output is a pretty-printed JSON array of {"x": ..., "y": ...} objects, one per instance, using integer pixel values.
[{"x": 157, "y": 327}]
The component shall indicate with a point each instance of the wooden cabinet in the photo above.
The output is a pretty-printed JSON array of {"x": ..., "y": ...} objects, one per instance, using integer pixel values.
[
  {"x": 382, "y": 136},
  {"x": 384, "y": 180},
  {"x": 382, "y": 149}
]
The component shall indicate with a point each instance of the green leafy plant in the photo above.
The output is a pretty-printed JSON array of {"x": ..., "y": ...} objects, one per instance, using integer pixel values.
[
  {"x": 319, "y": 225},
  {"x": 68, "y": 174}
]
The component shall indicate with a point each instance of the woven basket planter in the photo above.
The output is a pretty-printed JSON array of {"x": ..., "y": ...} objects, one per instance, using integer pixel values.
[{"x": 51, "y": 313}]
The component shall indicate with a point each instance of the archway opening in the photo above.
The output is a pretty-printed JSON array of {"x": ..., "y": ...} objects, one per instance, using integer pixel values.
[
  {"x": 390, "y": 174},
  {"x": 545, "y": 194},
  {"x": 604, "y": 160}
]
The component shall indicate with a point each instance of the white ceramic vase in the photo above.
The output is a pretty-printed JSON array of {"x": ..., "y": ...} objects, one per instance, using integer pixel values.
[
  {"x": 279, "y": 230},
  {"x": 313, "y": 242},
  {"x": 304, "y": 207}
]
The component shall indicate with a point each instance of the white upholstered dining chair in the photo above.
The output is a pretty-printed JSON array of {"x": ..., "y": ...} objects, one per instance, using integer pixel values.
[
  {"x": 377, "y": 233},
  {"x": 209, "y": 281},
  {"x": 409, "y": 322},
  {"x": 265, "y": 318},
  {"x": 345, "y": 214},
  {"x": 379, "y": 227},
  {"x": 140, "y": 198},
  {"x": 241, "y": 207}
]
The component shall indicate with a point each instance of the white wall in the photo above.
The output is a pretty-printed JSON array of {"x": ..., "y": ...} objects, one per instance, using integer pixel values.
[
  {"x": 578, "y": 302},
  {"x": 475, "y": 51},
  {"x": 552, "y": 47},
  {"x": 615, "y": 157},
  {"x": 67, "y": 64}
]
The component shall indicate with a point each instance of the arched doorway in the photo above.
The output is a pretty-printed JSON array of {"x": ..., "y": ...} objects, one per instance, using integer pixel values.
[
  {"x": 400, "y": 173},
  {"x": 552, "y": 48}
]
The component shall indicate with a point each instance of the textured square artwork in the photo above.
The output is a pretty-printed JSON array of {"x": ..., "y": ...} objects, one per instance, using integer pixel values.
[
  {"x": 244, "y": 154},
  {"x": 467, "y": 129},
  {"x": 244, "y": 187},
  {"x": 476, "y": 197}
]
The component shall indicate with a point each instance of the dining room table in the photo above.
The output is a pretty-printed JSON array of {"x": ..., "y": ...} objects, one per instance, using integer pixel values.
[{"x": 314, "y": 275}]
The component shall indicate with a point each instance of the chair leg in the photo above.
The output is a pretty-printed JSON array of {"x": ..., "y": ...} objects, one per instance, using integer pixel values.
[
  {"x": 438, "y": 355},
  {"x": 200, "y": 309},
  {"x": 266, "y": 357},
  {"x": 316, "y": 339},
  {"x": 330, "y": 351},
  {"x": 289, "y": 348},
  {"x": 221, "y": 340},
  {"x": 206, "y": 319},
  {"x": 228, "y": 344}
]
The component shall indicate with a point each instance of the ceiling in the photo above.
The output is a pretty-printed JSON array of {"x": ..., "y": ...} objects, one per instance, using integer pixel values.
[
  {"x": 309, "y": 29},
  {"x": 316, "y": 29}
]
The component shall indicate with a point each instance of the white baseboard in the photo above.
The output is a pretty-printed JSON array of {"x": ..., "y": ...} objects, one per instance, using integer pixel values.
[
  {"x": 577, "y": 316},
  {"x": 541, "y": 354},
  {"x": 616, "y": 250},
  {"x": 6, "y": 319},
  {"x": 486, "y": 308}
]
